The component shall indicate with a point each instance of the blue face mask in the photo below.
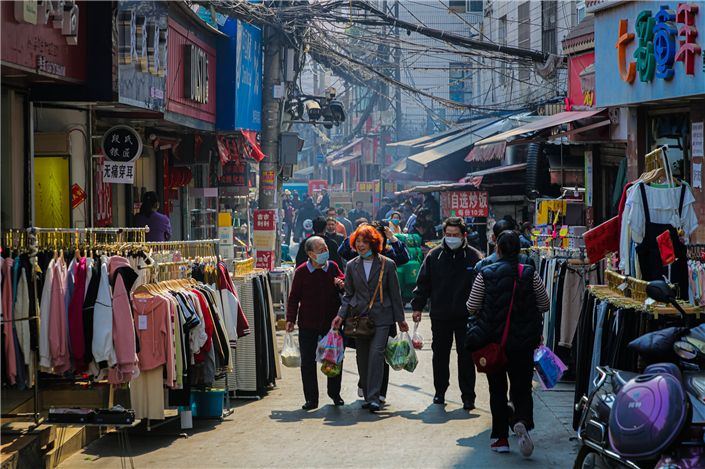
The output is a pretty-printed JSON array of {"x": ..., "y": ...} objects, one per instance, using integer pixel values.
[
  {"x": 322, "y": 258},
  {"x": 395, "y": 221},
  {"x": 367, "y": 254}
]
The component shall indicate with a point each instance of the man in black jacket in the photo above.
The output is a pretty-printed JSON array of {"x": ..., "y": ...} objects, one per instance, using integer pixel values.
[
  {"x": 307, "y": 212},
  {"x": 319, "y": 229},
  {"x": 446, "y": 278}
]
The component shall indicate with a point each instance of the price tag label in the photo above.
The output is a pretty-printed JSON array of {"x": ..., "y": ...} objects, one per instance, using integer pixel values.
[
  {"x": 649, "y": 301},
  {"x": 142, "y": 322},
  {"x": 623, "y": 287}
]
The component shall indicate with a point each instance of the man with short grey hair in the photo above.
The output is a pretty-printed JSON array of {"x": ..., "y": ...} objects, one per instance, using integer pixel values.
[{"x": 315, "y": 299}]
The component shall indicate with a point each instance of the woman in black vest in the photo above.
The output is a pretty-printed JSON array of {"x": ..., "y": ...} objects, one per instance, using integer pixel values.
[{"x": 489, "y": 304}]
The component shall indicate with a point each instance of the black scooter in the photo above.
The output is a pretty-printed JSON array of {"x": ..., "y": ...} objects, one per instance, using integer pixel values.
[{"x": 655, "y": 420}]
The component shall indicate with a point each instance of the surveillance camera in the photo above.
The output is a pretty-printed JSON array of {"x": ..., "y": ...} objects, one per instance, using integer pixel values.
[
  {"x": 330, "y": 93},
  {"x": 338, "y": 111},
  {"x": 314, "y": 110}
]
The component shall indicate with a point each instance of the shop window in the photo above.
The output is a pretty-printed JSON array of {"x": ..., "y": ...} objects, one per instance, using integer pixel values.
[
  {"x": 465, "y": 6},
  {"x": 460, "y": 79},
  {"x": 502, "y": 41},
  {"x": 524, "y": 35},
  {"x": 549, "y": 12}
]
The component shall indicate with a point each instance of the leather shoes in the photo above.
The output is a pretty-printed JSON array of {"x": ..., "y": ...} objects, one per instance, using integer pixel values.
[
  {"x": 468, "y": 405},
  {"x": 374, "y": 408},
  {"x": 310, "y": 406},
  {"x": 338, "y": 401},
  {"x": 439, "y": 399},
  {"x": 366, "y": 405}
]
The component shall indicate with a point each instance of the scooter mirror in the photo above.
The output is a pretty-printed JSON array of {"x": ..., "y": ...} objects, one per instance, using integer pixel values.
[
  {"x": 660, "y": 291},
  {"x": 685, "y": 350}
]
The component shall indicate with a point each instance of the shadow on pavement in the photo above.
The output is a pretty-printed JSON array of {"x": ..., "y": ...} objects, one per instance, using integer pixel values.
[{"x": 436, "y": 414}]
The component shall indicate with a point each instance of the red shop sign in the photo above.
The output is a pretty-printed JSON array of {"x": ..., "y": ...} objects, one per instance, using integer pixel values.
[
  {"x": 465, "y": 204},
  {"x": 103, "y": 208}
]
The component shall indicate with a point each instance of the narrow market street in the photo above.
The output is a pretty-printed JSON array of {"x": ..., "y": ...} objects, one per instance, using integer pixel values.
[{"x": 410, "y": 432}]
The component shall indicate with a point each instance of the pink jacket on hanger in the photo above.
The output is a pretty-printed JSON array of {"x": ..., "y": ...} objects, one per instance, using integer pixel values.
[
  {"x": 123, "y": 335},
  {"x": 155, "y": 332},
  {"x": 58, "y": 334},
  {"x": 10, "y": 352}
]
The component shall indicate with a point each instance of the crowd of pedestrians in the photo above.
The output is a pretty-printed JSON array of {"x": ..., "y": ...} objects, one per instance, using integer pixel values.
[{"x": 347, "y": 262}]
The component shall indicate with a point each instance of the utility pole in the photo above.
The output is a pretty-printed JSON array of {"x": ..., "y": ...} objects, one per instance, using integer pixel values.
[
  {"x": 397, "y": 75},
  {"x": 270, "y": 135}
]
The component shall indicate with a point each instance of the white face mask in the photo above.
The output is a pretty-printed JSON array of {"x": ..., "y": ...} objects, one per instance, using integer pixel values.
[{"x": 453, "y": 243}]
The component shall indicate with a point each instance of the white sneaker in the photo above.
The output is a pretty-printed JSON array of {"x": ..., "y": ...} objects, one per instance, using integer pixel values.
[
  {"x": 526, "y": 446},
  {"x": 382, "y": 399},
  {"x": 360, "y": 392}
]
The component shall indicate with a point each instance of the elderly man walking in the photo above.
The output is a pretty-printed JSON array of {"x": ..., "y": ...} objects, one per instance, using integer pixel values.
[{"x": 315, "y": 299}]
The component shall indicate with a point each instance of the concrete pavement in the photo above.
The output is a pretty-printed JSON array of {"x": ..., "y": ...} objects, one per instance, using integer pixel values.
[{"x": 410, "y": 432}]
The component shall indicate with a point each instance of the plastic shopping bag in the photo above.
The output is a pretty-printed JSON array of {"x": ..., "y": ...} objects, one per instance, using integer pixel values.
[
  {"x": 331, "y": 369},
  {"x": 291, "y": 355},
  {"x": 412, "y": 360},
  {"x": 334, "y": 349},
  {"x": 549, "y": 368},
  {"x": 416, "y": 339},
  {"x": 397, "y": 351}
]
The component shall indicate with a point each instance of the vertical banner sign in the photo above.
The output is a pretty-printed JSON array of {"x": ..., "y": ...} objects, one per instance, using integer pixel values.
[
  {"x": 465, "y": 204},
  {"x": 376, "y": 195},
  {"x": 315, "y": 185},
  {"x": 697, "y": 175},
  {"x": 103, "y": 209},
  {"x": 588, "y": 178},
  {"x": 697, "y": 139},
  {"x": 264, "y": 238},
  {"x": 268, "y": 180},
  {"x": 248, "y": 77}
]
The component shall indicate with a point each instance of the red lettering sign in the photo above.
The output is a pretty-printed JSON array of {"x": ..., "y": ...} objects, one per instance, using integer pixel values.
[
  {"x": 265, "y": 260},
  {"x": 465, "y": 204},
  {"x": 602, "y": 240},
  {"x": 264, "y": 220}
]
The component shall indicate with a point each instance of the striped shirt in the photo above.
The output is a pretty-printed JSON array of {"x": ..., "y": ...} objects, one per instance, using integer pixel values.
[{"x": 477, "y": 295}]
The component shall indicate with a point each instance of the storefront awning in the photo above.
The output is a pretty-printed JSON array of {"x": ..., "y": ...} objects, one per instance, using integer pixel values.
[
  {"x": 445, "y": 158},
  {"x": 341, "y": 151},
  {"x": 303, "y": 173},
  {"x": 494, "y": 146},
  {"x": 338, "y": 164}
]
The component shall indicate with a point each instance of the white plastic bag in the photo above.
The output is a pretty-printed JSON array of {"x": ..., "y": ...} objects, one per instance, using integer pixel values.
[
  {"x": 416, "y": 339},
  {"x": 291, "y": 355}
]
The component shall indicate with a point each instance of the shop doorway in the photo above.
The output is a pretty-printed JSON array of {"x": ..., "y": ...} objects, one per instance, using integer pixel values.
[
  {"x": 673, "y": 130},
  {"x": 52, "y": 203}
]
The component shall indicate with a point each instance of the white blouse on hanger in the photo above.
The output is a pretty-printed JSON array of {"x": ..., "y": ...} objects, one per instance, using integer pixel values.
[{"x": 661, "y": 209}]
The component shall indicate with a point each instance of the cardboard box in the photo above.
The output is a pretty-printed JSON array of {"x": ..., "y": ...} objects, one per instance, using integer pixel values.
[
  {"x": 227, "y": 251},
  {"x": 366, "y": 197}
]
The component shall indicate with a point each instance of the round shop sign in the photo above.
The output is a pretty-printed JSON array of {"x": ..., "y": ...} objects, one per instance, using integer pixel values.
[{"x": 121, "y": 144}]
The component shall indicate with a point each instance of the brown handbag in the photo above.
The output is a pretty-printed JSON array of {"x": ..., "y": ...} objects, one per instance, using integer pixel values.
[{"x": 361, "y": 326}]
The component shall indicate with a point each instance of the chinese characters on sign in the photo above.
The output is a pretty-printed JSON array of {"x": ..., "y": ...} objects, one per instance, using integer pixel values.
[
  {"x": 602, "y": 240},
  {"x": 44, "y": 65},
  {"x": 103, "y": 209},
  {"x": 268, "y": 180},
  {"x": 696, "y": 139},
  {"x": 121, "y": 144},
  {"x": 78, "y": 196},
  {"x": 119, "y": 173},
  {"x": 465, "y": 204},
  {"x": 234, "y": 174},
  {"x": 315, "y": 186},
  {"x": 661, "y": 43},
  {"x": 365, "y": 186},
  {"x": 264, "y": 238}
]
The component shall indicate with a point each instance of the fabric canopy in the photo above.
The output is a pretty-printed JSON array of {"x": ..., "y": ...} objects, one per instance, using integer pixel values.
[
  {"x": 495, "y": 146},
  {"x": 337, "y": 164},
  {"x": 341, "y": 151},
  {"x": 303, "y": 173}
]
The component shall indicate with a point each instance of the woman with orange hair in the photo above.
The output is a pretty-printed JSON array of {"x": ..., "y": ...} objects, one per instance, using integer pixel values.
[{"x": 365, "y": 273}]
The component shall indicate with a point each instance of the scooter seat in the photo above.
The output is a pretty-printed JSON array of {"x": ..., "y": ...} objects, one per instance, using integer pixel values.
[{"x": 668, "y": 368}]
